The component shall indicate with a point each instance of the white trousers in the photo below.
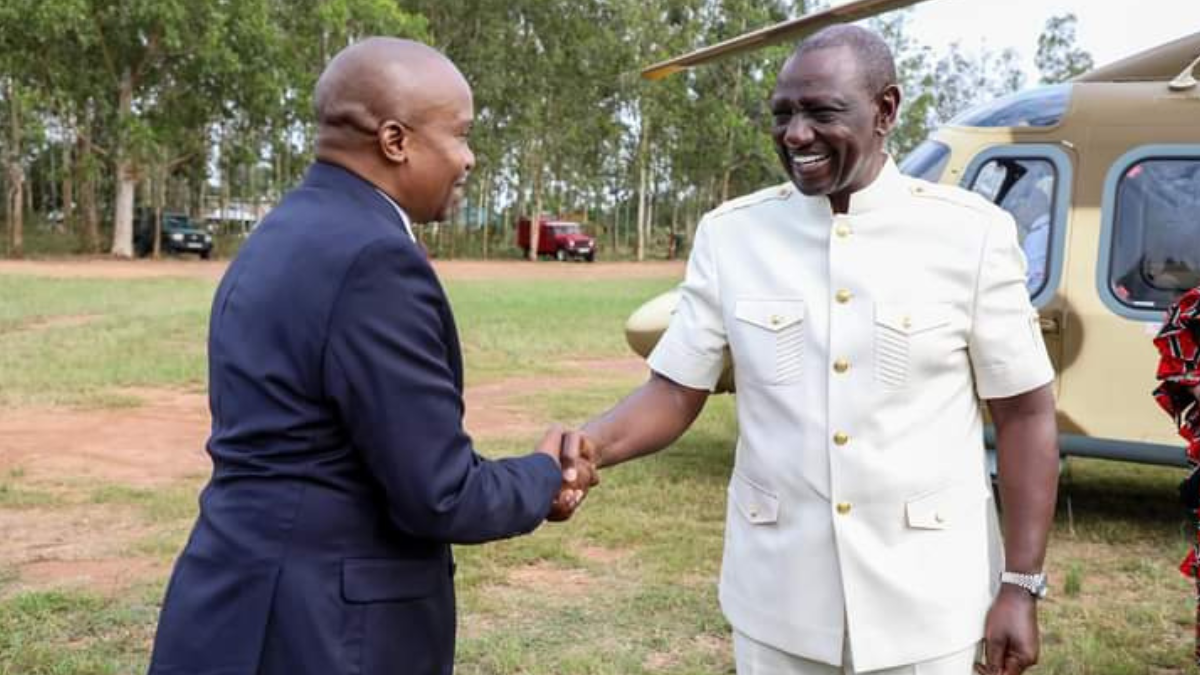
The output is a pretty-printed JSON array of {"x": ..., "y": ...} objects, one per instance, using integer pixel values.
[{"x": 755, "y": 658}]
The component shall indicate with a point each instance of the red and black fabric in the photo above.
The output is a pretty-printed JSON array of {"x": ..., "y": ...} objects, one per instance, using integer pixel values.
[{"x": 1178, "y": 345}]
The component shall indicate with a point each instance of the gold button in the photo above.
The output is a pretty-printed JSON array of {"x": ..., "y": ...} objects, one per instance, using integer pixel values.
[
  {"x": 841, "y": 365},
  {"x": 842, "y": 231},
  {"x": 776, "y": 319},
  {"x": 843, "y": 508},
  {"x": 841, "y": 438},
  {"x": 843, "y": 296},
  {"x": 906, "y": 322}
]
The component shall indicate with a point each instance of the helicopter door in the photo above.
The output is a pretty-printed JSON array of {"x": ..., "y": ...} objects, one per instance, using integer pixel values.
[{"x": 1032, "y": 182}]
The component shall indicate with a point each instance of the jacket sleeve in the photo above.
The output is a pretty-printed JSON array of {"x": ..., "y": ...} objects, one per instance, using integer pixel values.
[{"x": 387, "y": 371}]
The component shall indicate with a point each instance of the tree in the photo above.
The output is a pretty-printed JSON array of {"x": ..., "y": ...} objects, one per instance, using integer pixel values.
[
  {"x": 1058, "y": 58},
  {"x": 918, "y": 101},
  {"x": 963, "y": 80}
]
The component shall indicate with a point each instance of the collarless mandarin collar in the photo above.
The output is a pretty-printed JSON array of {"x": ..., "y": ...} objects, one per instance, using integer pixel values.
[{"x": 881, "y": 193}]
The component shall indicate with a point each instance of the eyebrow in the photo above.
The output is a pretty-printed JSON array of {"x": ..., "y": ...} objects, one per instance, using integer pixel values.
[{"x": 831, "y": 101}]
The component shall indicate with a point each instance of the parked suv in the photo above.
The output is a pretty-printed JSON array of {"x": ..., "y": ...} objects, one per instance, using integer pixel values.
[
  {"x": 559, "y": 238},
  {"x": 179, "y": 234}
]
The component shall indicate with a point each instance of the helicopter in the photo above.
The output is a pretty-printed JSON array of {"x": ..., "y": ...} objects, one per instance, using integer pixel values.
[{"x": 1102, "y": 175}]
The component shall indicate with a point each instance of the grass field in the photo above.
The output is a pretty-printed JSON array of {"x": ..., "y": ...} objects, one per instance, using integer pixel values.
[{"x": 627, "y": 587}]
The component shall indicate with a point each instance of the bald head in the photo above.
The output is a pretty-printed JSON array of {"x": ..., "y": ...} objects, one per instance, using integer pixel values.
[
  {"x": 398, "y": 114},
  {"x": 871, "y": 53},
  {"x": 384, "y": 78}
]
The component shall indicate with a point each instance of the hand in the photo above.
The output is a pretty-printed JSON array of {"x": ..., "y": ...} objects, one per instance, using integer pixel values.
[
  {"x": 580, "y": 474},
  {"x": 1011, "y": 636}
]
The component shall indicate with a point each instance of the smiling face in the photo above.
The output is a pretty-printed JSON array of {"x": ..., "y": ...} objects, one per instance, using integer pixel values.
[
  {"x": 431, "y": 155},
  {"x": 829, "y": 128},
  {"x": 440, "y": 159}
]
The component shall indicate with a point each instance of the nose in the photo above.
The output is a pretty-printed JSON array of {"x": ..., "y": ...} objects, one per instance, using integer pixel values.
[
  {"x": 799, "y": 132},
  {"x": 469, "y": 157}
]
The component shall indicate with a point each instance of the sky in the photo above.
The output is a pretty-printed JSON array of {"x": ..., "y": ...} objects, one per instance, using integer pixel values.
[{"x": 1108, "y": 29}]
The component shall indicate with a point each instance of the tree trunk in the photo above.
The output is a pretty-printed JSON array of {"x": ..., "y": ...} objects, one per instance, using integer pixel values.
[
  {"x": 159, "y": 189},
  {"x": 124, "y": 176},
  {"x": 485, "y": 190},
  {"x": 616, "y": 233},
  {"x": 88, "y": 203},
  {"x": 16, "y": 177},
  {"x": 641, "y": 212},
  {"x": 68, "y": 188},
  {"x": 535, "y": 220},
  {"x": 643, "y": 185}
]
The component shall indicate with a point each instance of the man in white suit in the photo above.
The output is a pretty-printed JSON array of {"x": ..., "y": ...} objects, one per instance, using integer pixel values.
[{"x": 868, "y": 315}]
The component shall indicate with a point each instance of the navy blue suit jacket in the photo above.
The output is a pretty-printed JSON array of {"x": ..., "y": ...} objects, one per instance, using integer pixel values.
[{"x": 341, "y": 471}]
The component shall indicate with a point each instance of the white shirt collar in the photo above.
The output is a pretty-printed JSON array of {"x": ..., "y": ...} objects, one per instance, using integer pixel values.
[
  {"x": 403, "y": 216},
  {"x": 882, "y": 192}
]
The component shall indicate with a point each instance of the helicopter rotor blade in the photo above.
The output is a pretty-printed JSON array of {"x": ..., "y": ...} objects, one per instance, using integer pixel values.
[{"x": 793, "y": 29}]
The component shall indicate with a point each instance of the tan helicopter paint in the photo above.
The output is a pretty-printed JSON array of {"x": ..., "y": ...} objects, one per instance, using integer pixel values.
[{"x": 1106, "y": 362}]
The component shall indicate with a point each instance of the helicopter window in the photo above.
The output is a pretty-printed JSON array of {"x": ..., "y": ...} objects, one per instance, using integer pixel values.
[
  {"x": 1024, "y": 187},
  {"x": 927, "y": 161},
  {"x": 1041, "y": 107},
  {"x": 1155, "y": 256}
]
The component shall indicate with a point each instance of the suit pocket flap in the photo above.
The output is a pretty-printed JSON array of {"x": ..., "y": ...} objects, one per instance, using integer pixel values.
[
  {"x": 940, "y": 509},
  {"x": 912, "y": 319},
  {"x": 756, "y": 503},
  {"x": 772, "y": 315},
  {"x": 391, "y": 580}
]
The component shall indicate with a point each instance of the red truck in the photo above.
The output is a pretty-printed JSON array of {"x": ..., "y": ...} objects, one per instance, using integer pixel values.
[{"x": 559, "y": 238}]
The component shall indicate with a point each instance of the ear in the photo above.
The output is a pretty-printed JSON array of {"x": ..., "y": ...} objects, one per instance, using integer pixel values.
[
  {"x": 393, "y": 141},
  {"x": 889, "y": 109}
]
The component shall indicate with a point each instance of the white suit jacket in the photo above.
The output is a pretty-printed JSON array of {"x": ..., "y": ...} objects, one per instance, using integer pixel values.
[{"x": 859, "y": 503}]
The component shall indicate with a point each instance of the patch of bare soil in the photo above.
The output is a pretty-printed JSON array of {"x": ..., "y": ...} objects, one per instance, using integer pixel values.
[
  {"x": 104, "y": 576},
  {"x": 496, "y": 409},
  {"x": 80, "y": 546},
  {"x": 161, "y": 443},
  {"x": 89, "y": 267},
  {"x": 452, "y": 270},
  {"x": 67, "y": 321},
  {"x": 542, "y": 576},
  {"x": 152, "y": 445}
]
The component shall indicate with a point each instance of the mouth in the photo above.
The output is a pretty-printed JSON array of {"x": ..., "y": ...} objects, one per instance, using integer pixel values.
[{"x": 807, "y": 162}]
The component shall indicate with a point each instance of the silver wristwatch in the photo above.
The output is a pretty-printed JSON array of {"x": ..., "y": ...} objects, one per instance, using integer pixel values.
[{"x": 1034, "y": 583}]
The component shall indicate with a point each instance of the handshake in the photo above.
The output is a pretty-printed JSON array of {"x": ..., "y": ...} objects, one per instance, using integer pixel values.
[{"x": 579, "y": 460}]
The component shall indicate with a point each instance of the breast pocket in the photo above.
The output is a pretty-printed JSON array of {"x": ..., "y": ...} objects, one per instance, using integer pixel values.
[
  {"x": 768, "y": 340},
  {"x": 901, "y": 333}
]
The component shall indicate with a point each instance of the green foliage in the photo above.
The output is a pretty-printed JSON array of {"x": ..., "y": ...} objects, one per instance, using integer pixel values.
[
  {"x": 1058, "y": 58},
  {"x": 184, "y": 93}
]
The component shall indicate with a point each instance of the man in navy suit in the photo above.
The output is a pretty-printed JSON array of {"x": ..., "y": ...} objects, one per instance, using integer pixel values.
[{"x": 341, "y": 471}]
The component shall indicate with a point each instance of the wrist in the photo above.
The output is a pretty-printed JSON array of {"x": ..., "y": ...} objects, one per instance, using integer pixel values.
[
  {"x": 1031, "y": 585},
  {"x": 553, "y": 457}
]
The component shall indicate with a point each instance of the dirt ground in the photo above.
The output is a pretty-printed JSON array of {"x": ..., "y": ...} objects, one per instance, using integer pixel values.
[
  {"x": 52, "y": 459},
  {"x": 465, "y": 270}
]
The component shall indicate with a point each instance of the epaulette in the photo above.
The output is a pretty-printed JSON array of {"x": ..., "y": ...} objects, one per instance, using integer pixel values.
[
  {"x": 950, "y": 193},
  {"x": 778, "y": 192}
]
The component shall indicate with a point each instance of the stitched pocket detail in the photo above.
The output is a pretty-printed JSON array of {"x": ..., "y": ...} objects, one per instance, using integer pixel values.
[
  {"x": 769, "y": 342},
  {"x": 898, "y": 327}
]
